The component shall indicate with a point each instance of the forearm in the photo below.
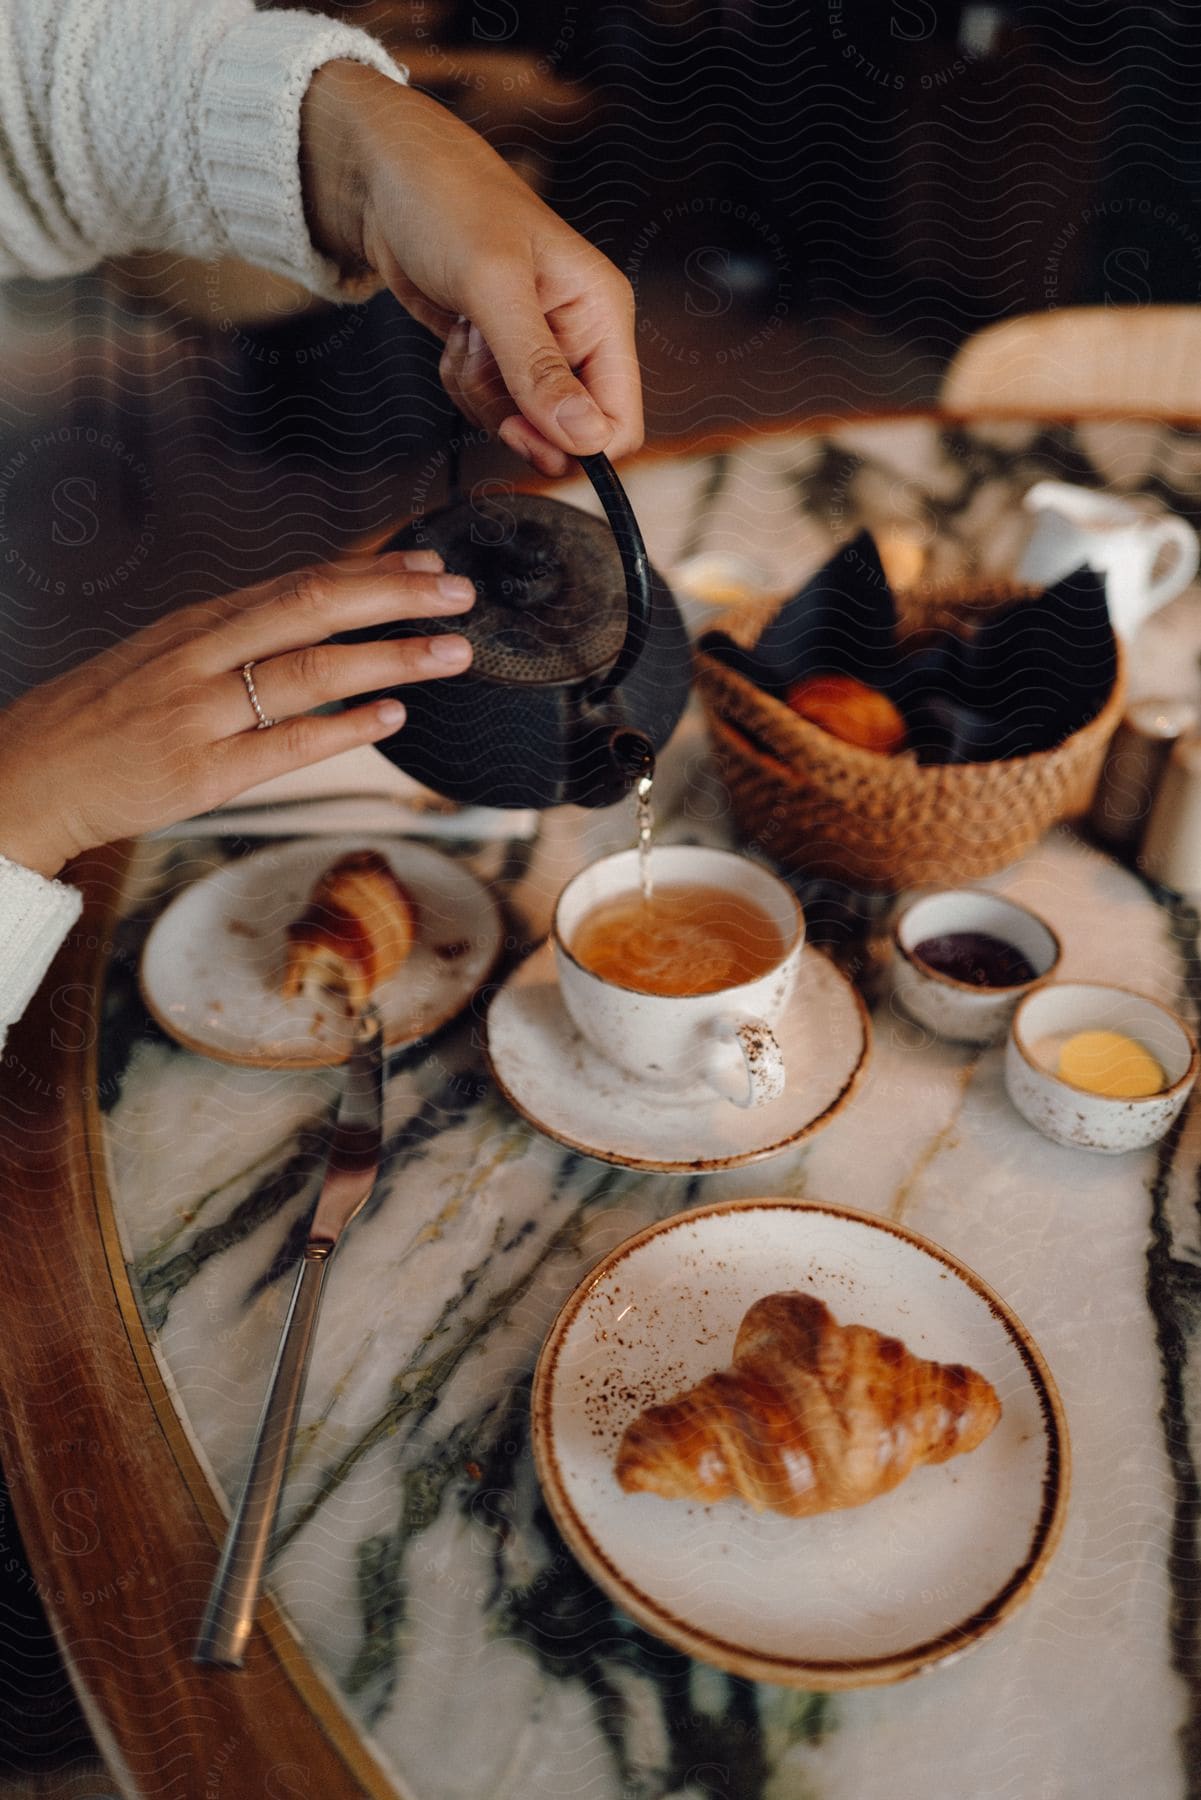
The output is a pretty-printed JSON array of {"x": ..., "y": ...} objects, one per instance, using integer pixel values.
[
  {"x": 35, "y": 917},
  {"x": 135, "y": 124}
]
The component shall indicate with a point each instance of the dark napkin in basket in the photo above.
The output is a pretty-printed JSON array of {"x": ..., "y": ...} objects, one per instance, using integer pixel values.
[
  {"x": 843, "y": 622},
  {"x": 1023, "y": 679}
]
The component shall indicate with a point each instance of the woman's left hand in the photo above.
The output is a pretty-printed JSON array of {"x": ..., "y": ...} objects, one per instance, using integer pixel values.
[
  {"x": 538, "y": 325},
  {"x": 166, "y": 723}
]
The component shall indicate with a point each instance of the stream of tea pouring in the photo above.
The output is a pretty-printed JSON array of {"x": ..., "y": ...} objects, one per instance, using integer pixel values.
[
  {"x": 646, "y": 830},
  {"x": 638, "y": 753}
]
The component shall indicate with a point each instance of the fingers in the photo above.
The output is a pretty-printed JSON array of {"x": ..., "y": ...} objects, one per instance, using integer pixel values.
[
  {"x": 610, "y": 369},
  {"x": 212, "y": 632},
  {"x": 534, "y": 368},
  {"x": 250, "y": 757},
  {"x": 306, "y": 608},
  {"x": 315, "y": 676},
  {"x": 578, "y": 362},
  {"x": 471, "y": 376},
  {"x": 521, "y": 438}
]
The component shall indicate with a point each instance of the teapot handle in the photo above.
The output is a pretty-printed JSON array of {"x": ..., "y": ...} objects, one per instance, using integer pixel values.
[{"x": 624, "y": 526}]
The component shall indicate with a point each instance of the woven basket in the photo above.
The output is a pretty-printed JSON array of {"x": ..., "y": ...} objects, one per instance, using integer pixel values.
[{"x": 811, "y": 803}]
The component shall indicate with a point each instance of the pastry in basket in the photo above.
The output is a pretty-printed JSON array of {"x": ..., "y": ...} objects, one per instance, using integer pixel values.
[
  {"x": 849, "y": 710},
  {"x": 356, "y": 931},
  {"x": 812, "y": 1416}
]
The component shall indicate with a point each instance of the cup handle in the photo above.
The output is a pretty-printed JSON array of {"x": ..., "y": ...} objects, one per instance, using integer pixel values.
[
  {"x": 761, "y": 1077},
  {"x": 1177, "y": 535}
]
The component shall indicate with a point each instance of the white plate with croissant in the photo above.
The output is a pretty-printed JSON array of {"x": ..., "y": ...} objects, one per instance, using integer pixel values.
[
  {"x": 801, "y": 1443},
  {"x": 263, "y": 961}
]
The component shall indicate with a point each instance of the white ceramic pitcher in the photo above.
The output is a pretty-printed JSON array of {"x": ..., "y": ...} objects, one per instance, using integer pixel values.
[{"x": 1075, "y": 525}]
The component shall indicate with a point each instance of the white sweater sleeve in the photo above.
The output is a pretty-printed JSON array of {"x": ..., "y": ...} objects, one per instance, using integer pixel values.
[
  {"x": 35, "y": 917},
  {"x": 162, "y": 124}
]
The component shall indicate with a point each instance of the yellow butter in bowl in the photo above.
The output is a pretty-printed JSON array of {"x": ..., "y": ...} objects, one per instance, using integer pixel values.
[{"x": 1109, "y": 1063}]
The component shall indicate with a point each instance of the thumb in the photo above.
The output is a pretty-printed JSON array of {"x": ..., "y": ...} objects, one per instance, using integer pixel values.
[{"x": 539, "y": 378}]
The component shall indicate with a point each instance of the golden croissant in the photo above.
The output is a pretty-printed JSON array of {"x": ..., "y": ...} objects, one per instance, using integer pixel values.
[
  {"x": 813, "y": 1415},
  {"x": 357, "y": 930}
]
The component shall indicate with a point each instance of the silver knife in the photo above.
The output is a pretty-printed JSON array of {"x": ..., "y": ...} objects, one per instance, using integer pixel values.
[{"x": 349, "y": 1178}]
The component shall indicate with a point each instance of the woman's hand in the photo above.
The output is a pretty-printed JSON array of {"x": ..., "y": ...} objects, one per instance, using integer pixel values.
[
  {"x": 538, "y": 325},
  {"x": 161, "y": 726}
]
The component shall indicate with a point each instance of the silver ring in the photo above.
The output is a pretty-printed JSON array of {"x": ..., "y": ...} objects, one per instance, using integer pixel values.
[{"x": 264, "y": 723}]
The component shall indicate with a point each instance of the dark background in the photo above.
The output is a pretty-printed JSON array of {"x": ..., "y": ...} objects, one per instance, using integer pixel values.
[{"x": 921, "y": 160}]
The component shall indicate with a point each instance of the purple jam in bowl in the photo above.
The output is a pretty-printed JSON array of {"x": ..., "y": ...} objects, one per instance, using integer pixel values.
[{"x": 975, "y": 957}]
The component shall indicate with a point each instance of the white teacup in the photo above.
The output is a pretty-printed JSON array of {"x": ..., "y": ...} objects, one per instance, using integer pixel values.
[
  {"x": 673, "y": 1041},
  {"x": 1119, "y": 540}
]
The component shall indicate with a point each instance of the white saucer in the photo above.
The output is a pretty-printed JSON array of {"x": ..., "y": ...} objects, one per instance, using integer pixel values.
[
  {"x": 212, "y": 963},
  {"x": 567, "y": 1090},
  {"x": 842, "y": 1599}
]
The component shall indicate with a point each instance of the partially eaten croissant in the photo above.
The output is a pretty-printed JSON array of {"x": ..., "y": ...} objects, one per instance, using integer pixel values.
[
  {"x": 812, "y": 1416},
  {"x": 356, "y": 931}
]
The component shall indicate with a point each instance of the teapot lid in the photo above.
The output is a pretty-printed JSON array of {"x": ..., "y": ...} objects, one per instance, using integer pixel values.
[{"x": 551, "y": 603}]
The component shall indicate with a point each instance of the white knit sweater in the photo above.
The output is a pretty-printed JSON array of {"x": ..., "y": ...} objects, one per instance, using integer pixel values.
[{"x": 149, "y": 124}]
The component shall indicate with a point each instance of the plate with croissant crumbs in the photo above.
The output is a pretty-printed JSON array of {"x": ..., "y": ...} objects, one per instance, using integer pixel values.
[
  {"x": 262, "y": 961},
  {"x": 801, "y": 1443}
]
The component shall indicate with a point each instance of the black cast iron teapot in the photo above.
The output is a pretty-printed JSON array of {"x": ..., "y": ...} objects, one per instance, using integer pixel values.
[{"x": 581, "y": 662}]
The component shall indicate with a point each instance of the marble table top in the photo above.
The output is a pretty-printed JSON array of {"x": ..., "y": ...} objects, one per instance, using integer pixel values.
[{"x": 417, "y": 1562}]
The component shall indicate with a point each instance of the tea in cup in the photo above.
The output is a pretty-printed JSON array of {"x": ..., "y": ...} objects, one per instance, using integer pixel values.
[{"x": 682, "y": 988}]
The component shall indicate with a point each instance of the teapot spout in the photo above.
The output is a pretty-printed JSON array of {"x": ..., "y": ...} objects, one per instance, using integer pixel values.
[{"x": 634, "y": 754}]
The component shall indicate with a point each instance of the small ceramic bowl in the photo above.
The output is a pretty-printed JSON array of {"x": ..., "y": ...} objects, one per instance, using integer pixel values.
[
  {"x": 958, "y": 1009},
  {"x": 1072, "y": 1115}
]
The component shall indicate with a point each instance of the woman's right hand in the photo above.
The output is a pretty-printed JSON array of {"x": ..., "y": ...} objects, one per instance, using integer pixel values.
[
  {"x": 161, "y": 726},
  {"x": 538, "y": 325}
]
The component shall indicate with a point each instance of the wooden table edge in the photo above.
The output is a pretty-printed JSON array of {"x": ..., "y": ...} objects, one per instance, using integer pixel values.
[
  {"x": 720, "y": 439},
  {"x": 724, "y": 440},
  {"x": 90, "y": 1549}
]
